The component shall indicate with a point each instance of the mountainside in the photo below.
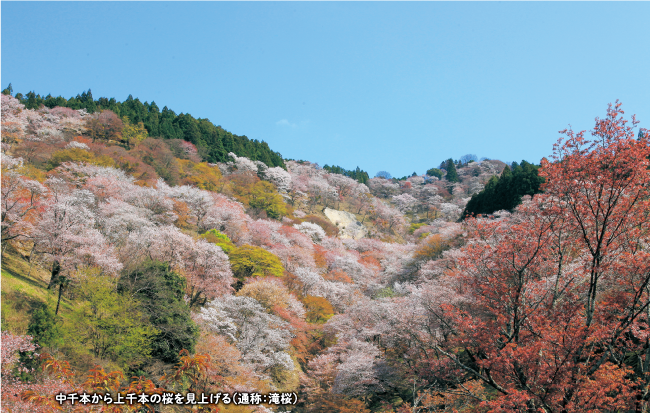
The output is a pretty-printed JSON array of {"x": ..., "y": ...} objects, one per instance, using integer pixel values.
[{"x": 133, "y": 265}]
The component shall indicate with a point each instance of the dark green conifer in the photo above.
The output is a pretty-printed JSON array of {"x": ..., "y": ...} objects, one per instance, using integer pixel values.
[{"x": 452, "y": 175}]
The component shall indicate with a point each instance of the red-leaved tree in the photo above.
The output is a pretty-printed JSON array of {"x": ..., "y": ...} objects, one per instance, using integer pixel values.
[{"x": 555, "y": 315}]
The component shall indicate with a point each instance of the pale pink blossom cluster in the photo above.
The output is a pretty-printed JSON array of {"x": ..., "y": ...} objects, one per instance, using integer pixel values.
[
  {"x": 46, "y": 125},
  {"x": 262, "y": 338},
  {"x": 278, "y": 177}
]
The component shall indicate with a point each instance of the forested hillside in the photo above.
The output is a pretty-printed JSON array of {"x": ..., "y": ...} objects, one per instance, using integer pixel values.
[
  {"x": 212, "y": 142},
  {"x": 152, "y": 268},
  {"x": 506, "y": 192}
]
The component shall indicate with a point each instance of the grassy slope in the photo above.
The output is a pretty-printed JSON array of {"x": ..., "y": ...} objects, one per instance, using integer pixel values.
[{"x": 22, "y": 290}]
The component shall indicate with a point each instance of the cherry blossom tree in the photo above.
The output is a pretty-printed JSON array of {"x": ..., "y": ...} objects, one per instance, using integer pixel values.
[
  {"x": 360, "y": 370},
  {"x": 382, "y": 188},
  {"x": 450, "y": 211},
  {"x": 386, "y": 217},
  {"x": 66, "y": 234},
  {"x": 119, "y": 219},
  {"x": 360, "y": 196},
  {"x": 242, "y": 164},
  {"x": 416, "y": 180},
  {"x": 21, "y": 200},
  {"x": 405, "y": 202},
  {"x": 227, "y": 216},
  {"x": 262, "y": 338},
  {"x": 204, "y": 264},
  {"x": 278, "y": 177},
  {"x": 314, "y": 231},
  {"x": 198, "y": 201},
  {"x": 321, "y": 191},
  {"x": 344, "y": 185},
  {"x": 340, "y": 294},
  {"x": 298, "y": 190},
  {"x": 41, "y": 125}
]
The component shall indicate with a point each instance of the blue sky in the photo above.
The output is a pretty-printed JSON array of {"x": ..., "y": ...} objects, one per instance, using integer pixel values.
[{"x": 384, "y": 86}]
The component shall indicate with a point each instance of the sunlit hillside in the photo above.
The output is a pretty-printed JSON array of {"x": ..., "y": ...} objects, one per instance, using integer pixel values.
[{"x": 136, "y": 263}]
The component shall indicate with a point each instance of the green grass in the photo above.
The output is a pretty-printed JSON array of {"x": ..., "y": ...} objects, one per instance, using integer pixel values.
[{"x": 22, "y": 291}]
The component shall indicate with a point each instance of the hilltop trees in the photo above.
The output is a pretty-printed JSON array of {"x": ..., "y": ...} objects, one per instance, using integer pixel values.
[
  {"x": 357, "y": 174},
  {"x": 435, "y": 172},
  {"x": 506, "y": 192},
  {"x": 465, "y": 159},
  {"x": 452, "y": 175}
]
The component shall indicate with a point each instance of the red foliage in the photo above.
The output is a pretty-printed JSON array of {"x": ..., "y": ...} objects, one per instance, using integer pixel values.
[
  {"x": 156, "y": 153},
  {"x": 319, "y": 257},
  {"x": 130, "y": 162},
  {"x": 559, "y": 292},
  {"x": 370, "y": 259},
  {"x": 338, "y": 275}
]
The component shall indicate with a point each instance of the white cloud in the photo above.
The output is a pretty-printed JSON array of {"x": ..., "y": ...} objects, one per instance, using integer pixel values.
[{"x": 284, "y": 122}]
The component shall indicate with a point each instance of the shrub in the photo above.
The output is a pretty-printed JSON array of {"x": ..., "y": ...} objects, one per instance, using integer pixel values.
[
  {"x": 250, "y": 261},
  {"x": 220, "y": 239}
]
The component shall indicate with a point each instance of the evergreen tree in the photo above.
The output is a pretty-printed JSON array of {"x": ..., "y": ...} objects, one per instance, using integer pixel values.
[
  {"x": 43, "y": 326},
  {"x": 452, "y": 175},
  {"x": 52, "y": 102},
  {"x": 32, "y": 102},
  {"x": 9, "y": 90}
]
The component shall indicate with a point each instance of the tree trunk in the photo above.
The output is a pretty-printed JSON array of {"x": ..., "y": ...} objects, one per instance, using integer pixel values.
[
  {"x": 58, "y": 301},
  {"x": 31, "y": 255},
  {"x": 56, "y": 271}
]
